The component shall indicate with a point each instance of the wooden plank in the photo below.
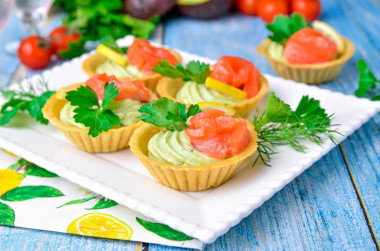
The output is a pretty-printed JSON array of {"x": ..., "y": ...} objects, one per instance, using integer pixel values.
[
  {"x": 321, "y": 215},
  {"x": 12, "y": 238},
  {"x": 362, "y": 149}
]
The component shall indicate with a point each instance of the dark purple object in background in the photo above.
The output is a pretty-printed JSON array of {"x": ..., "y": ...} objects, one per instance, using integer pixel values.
[
  {"x": 209, "y": 10},
  {"x": 146, "y": 9}
]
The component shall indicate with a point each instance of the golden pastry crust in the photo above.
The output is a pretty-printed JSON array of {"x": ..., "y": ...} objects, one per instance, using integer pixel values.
[
  {"x": 189, "y": 178},
  {"x": 110, "y": 141},
  {"x": 94, "y": 61},
  {"x": 168, "y": 88},
  {"x": 308, "y": 73}
]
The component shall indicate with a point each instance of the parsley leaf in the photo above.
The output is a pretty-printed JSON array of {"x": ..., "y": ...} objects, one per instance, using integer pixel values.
[
  {"x": 167, "y": 114},
  {"x": 194, "y": 71},
  {"x": 89, "y": 112},
  {"x": 25, "y": 99},
  {"x": 283, "y": 27},
  {"x": 367, "y": 80},
  {"x": 279, "y": 125}
]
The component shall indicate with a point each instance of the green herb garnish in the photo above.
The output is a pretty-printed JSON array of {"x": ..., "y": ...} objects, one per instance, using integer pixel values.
[
  {"x": 283, "y": 27},
  {"x": 89, "y": 112},
  {"x": 194, "y": 71},
  {"x": 28, "y": 99},
  {"x": 279, "y": 125},
  {"x": 167, "y": 114},
  {"x": 367, "y": 80},
  {"x": 96, "y": 19}
]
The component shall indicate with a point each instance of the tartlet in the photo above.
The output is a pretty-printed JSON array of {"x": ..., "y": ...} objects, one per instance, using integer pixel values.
[
  {"x": 189, "y": 178},
  {"x": 113, "y": 140},
  {"x": 168, "y": 88},
  {"x": 308, "y": 73},
  {"x": 90, "y": 65}
]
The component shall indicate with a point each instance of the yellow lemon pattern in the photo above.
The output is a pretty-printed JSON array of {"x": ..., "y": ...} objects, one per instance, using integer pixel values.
[
  {"x": 9, "y": 179},
  {"x": 100, "y": 225}
]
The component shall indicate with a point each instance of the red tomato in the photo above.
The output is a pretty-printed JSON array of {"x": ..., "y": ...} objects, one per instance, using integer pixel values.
[
  {"x": 61, "y": 38},
  {"x": 310, "y": 9},
  {"x": 268, "y": 9},
  {"x": 239, "y": 73},
  {"x": 127, "y": 89},
  {"x": 144, "y": 56},
  {"x": 217, "y": 135},
  {"x": 248, "y": 7},
  {"x": 34, "y": 52},
  {"x": 308, "y": 46}
]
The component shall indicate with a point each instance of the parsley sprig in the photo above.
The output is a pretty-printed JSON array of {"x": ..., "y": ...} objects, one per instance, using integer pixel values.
[
  {"x": 194, "y": 71},
  {"x": 280, "y": 125},
  {"x": 29, "y": 98},
  {"x": 283, "y": 27},
  {"x": 168, "y": 114},
  {"x": 367, "y": 81},
  {"x": 89, "y": 112}
]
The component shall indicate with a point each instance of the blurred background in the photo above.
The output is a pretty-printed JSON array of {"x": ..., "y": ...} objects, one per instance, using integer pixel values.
[{"x": 86, "y": 22}]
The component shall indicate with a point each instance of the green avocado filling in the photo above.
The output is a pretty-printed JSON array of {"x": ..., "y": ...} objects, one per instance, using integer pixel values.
[
  {"x": 193, "y": 93},
  {"x": 126, "y": 109},
  {"x": 175, "y": 148},
  {"x": 276, "y": 51},
  {"x": 112, "y": 68}
]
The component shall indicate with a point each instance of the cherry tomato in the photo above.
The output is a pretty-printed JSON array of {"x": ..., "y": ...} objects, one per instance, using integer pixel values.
[
  {"x": 248, "y": 7},
  {"x": 268, "y": 9},
  {"x": 61, "y": 38},
  {"x": 34, "y": 52},
  {"x": 310, "y": 9}
]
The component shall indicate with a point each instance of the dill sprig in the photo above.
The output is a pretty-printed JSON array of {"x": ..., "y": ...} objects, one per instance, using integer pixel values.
[{"x": 279, "y": 125}]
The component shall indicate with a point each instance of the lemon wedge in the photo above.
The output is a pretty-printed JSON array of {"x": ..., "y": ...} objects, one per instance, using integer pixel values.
[
  {"x": 332, "y": 34},
  {"x": 207, "y": 106},
  {"x": 100, "y": 225},
  {"x": 226, "y": 89},
  {"x": 60, "y": 94},
  {"x": 112, "y": 55}
]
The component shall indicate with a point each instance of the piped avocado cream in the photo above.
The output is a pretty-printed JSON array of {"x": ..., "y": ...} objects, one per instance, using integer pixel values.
[
  {"x": 126, "y": 109},
  {"x": 276, "y": 51},
  {"x": 112, "y": 68},
  {"x": 174, "y": 147},
  {"x": 193, "y": 93}
]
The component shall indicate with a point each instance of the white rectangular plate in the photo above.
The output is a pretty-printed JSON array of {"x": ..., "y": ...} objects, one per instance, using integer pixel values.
[{"x": 203, "y": 215}]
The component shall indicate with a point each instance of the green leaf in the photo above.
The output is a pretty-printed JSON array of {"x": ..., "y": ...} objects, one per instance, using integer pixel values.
[
  {"x": 367, "y": 80},
  {"x": 8, "y": 115},
  {"x": 167, "y": 113},
  {"x": 18, "y": 164},
  {"x": 163, "y": 230},
  {"x": 31, "y": 192},
  {"x": 90, "y": 113},
  {"x": 277, "y": 110},
  {"x": 110, "y": 42},
  {"x": 195, "y": 71},
  {"x": 104, "y": 203},
  {"x": 79, "y": 201},
  {"x": 75, "y": 50},
  {"x": 283, "y": 27},
  {"x": 7, "y": 215},
  {"x": 376, "y": 98},
  {"x": 34, "y": 170},
  {"x": 36, "y": 105}
]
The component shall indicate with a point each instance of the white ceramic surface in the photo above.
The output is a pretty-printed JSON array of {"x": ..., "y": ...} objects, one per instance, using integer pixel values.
[{"x": 203, "y": 215}]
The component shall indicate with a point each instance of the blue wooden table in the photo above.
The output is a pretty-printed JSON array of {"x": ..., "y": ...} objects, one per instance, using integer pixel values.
[{"x": 334, "y": 205}]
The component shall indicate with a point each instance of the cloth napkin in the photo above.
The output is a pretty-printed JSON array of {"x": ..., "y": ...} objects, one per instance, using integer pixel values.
[{"x": 32, "y": 197}]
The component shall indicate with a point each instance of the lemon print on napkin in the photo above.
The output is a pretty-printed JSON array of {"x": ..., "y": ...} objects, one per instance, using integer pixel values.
[
  {"x": 100, "y": 225},
  {"x": 9, "y": 180}
]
